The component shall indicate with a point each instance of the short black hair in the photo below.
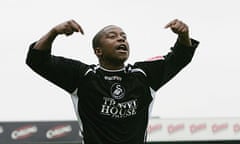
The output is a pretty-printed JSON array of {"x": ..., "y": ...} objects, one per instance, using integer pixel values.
[{"x": 96, "y": 39}]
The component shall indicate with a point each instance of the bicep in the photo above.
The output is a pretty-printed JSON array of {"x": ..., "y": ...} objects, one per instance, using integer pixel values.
[
  {"x": 162, "y": 70},
  {"x": 63, "y": 72}
]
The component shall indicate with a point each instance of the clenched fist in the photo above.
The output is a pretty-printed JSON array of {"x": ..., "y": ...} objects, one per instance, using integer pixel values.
[
  {"x": 181, "y": 29},
  {"x": 68, "y": 28}
]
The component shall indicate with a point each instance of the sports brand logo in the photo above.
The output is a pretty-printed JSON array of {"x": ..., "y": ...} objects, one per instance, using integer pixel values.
[{"x": 117, "y": 91}]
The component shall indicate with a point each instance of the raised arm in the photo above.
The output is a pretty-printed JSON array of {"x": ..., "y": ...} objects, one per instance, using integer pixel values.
[
  {"x": 182, "y": 30},
  {"x": 67, "y": 28},
  {"x": 163, "y": 68},
  {"x": 62, "y": 71}
]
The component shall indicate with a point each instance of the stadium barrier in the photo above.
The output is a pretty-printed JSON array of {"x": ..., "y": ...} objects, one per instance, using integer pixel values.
[{"x": 159, "y": 131}]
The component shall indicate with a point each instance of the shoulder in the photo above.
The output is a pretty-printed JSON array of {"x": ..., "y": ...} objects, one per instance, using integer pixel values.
[{"x": 150, "y": 62}]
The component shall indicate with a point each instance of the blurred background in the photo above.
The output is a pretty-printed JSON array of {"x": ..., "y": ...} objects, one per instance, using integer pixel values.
[{"x": 207, "y": 88}]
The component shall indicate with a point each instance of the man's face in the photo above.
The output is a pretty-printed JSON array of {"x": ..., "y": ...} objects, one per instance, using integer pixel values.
[{"x": 114, "y": 47}]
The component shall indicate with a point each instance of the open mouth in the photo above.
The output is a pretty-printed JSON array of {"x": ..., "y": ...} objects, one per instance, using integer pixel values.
[{"x": 122, "y": 47}]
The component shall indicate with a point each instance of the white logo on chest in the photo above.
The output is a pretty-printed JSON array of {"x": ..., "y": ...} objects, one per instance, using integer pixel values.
[
  {"x": 111, "y": 78},
  {"x": 115, "y": 109},
  {"x": 117, "y": 91}
]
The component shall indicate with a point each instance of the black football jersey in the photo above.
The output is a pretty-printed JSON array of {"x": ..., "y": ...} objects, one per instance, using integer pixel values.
[{"x": 112, "y": 106}]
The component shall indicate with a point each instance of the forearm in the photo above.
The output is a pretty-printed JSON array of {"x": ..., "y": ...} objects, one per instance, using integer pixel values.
[
  {"x": 45, "y": 42},
  {"x": 185, "y": 40},
  {"x": 67, "y": 28}
]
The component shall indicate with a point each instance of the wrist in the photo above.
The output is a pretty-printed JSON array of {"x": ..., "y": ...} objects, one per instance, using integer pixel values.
[
  {"x": 53, "y": 32},
  {"x": 184, "y": 39}
]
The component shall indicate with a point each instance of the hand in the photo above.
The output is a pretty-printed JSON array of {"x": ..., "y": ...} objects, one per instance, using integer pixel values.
[
  {"x": 181, "y": 29},
  {"x": 178, "y": 27},
  {"x": 67, "y": 28}
]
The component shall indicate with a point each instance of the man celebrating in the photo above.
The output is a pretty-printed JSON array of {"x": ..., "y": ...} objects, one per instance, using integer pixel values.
[{"x": 112, "y": 100}]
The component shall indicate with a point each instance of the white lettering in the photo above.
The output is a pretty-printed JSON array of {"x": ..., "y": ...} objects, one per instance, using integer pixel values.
[
  {"x": 23, "y": 132},
  {"x": 113, "y": 78},
  {"x": 105, "y": 109},
  {"x": 118, "y": 110},
  {"x": 58, "y": 132},
  {"x": 114, "y": 110}
]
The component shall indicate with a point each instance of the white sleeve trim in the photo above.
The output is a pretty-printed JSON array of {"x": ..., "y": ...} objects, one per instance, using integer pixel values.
[
  {"x": 139, "y": 70},
  {"x": 153, "y": 94},
  {"x": 75, "y": 100}
]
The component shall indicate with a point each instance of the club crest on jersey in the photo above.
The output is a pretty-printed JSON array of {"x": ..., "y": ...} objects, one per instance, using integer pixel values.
[{"x": 117, "y": 91}]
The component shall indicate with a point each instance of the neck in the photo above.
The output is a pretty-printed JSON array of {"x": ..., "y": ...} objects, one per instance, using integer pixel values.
[{"x": 111, "y": 66}]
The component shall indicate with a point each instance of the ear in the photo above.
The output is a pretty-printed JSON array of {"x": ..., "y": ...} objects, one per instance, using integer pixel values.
[{"x": 98, "y": 51}]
